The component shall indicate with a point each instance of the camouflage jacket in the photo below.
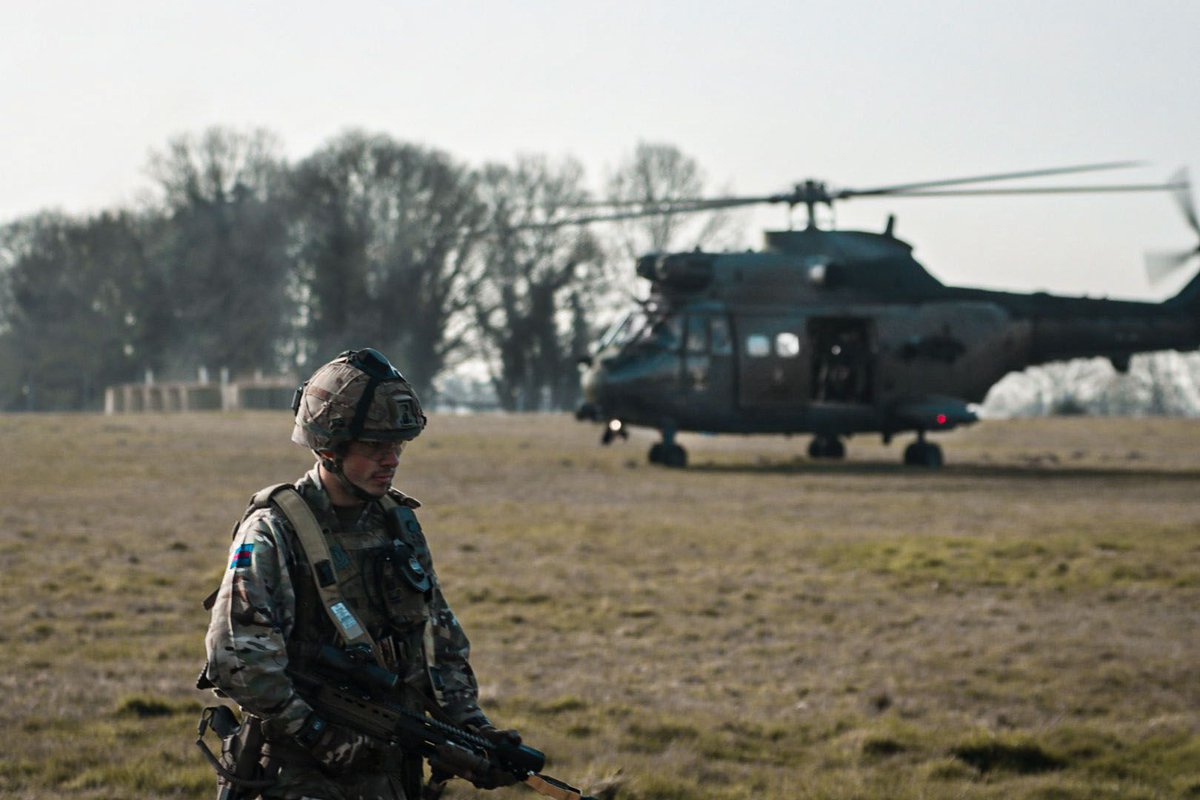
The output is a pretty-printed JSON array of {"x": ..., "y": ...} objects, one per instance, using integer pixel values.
[{"x": 268, "y": 599}]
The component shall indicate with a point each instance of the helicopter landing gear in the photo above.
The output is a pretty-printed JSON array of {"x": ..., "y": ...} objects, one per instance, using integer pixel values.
[
  {"x": 669, "y": 455},
  {"x": 922, "y": 453},
  {"x": 667, "y": 452},
  {"x": 826, "y": 447},
  {"x": 612, "y": 430}
]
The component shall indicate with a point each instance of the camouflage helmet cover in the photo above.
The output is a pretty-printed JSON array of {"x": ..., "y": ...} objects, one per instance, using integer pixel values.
[{"x": 357, "y": 396}]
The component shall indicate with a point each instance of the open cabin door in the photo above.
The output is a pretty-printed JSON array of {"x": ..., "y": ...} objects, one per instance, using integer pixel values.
[{"x": 843, "y": 360}]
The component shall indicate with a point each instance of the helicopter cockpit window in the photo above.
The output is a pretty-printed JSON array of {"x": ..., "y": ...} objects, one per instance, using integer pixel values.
[
  {"x": 667, "y": 333},
  {"x": 787, "y": 345},
  {"x": 758, "y": 345}
]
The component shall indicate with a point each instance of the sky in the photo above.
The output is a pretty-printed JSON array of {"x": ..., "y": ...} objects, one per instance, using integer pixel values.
[{"x": 762, "y": 94}]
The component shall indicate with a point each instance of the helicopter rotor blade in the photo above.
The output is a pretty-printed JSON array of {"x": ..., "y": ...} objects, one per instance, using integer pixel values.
[
  {"x": 677, "y": 203},
  {"x": 1000, "y": 176},
  {"x": 639, "y": 204},
  {"x": 657, "y": 210},
  {"x": 798, "y": 196},
  {"x": 813, "y": 192},
  {"x": 1128, "y": 187}
]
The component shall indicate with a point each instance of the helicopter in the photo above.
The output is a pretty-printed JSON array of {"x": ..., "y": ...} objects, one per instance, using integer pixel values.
[{"x": 839, "y": 332}]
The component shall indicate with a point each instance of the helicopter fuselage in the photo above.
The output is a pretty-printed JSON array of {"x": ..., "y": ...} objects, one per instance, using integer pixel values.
[{"x": 836, "y": 333}]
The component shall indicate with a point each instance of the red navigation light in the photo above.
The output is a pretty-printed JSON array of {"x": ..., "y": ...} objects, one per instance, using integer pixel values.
[{"x": 941, "y": 419}]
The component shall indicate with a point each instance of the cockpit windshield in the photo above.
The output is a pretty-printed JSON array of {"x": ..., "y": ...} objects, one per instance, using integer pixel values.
[
  {"x": 624, "y": 330},
  {"x": 644, "y": 327}
]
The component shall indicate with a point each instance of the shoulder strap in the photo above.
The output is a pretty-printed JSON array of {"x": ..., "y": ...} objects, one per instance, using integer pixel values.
[
  {"x": 262, "y": 498},
  {"x": 312, "y": 540}
]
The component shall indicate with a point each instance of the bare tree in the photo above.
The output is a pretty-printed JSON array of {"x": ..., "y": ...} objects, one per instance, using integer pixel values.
[
  {"x": 654, "y": 173},
  {"x": 217, "y": 166},
  {"x": 383, "y": 233},
  {"x": 222, "y": 256},
  {"x": 73, "y": 301},
  {"x": 538, "y": 282}
]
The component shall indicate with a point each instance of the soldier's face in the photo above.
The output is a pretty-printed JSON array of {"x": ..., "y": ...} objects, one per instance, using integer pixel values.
[{"x": 372, "y": 465}]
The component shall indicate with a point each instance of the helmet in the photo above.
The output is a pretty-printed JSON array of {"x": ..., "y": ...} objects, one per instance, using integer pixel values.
[{"x": 359, "y": 395}]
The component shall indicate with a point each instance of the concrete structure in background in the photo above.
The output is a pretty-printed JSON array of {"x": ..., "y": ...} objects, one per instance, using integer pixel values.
[{"x": 201, "y": 395}]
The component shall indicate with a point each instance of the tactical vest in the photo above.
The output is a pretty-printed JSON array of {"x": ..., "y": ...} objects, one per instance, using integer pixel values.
[{"x": 367, "y": 589}]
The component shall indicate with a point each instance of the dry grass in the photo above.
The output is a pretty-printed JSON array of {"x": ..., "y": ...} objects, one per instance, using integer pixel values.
[{"x": 1020, "y": 624}]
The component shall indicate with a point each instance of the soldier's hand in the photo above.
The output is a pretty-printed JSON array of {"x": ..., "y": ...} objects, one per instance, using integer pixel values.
[
  {"x": 495, "y": 778},
  {"x": 492, "y": 778},
  {"x": 334, "y": 747},
  {"x": 507, "y": 736}
]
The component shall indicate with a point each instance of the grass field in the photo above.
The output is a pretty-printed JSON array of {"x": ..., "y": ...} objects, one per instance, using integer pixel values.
[{"x": 1021, "y": 623}]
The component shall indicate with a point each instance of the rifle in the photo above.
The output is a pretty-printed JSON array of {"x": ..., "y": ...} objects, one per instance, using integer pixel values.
[{"x": 361, "y": 696}]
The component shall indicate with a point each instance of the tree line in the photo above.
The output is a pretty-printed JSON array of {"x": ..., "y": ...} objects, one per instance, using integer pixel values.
[{"x": 246, "y": 262}]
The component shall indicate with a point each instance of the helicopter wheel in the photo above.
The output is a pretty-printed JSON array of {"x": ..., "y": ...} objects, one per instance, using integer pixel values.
[
  {"x": 923, "y": 454},
  {"x": 674, "y": 456},
  {"x": 669, "y": 455},
  {"x": 826, "y": 447}
]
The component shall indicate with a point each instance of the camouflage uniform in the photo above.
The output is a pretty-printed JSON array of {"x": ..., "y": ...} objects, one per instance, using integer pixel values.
[{"x": 268, "y": 604}]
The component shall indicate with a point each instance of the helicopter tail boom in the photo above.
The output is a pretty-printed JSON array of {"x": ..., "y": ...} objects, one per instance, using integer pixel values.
[{"x": 1187, "y": 298}]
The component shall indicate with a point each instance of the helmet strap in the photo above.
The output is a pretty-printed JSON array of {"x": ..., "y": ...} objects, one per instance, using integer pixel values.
[
  {"x": 334, "y": 467},
  {"x": 364, "y": 405},
  {"x": 378, "y": 370}
]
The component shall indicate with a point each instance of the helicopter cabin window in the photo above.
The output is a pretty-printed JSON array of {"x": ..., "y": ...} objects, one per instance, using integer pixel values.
[
  {"x": 697, "y": 335},
  {"x": 719, "y": 339},
  {"x": 787, "y": 345},
  {"x": 758, "y": 345},
  {"x": 668, "y": 333}
]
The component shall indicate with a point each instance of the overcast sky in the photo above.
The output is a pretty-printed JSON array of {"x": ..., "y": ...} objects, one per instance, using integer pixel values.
[{"x": 762, "y": 94}]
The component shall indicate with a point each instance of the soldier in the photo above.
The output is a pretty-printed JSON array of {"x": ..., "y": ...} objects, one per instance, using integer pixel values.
[{"x": 373, "y": 592}]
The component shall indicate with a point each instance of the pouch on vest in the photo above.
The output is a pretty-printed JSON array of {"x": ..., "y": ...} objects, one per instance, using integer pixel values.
[
  {"x": 240, "y": 768},
  {"x": 403, "y": 527}
]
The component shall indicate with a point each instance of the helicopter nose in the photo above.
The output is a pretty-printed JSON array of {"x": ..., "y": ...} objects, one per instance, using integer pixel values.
[
  {"x": 592, "y": 382},
  {"x": 587, "y": 409},
  {"x": 588, "y": 412}
]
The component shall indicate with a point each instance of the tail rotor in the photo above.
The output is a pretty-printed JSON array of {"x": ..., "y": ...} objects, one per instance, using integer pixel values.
[{"x": 1161, "y": 264}]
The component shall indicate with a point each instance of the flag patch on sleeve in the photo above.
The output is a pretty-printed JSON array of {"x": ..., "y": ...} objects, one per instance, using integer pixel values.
[{"x": 241, "y": 556}]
